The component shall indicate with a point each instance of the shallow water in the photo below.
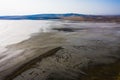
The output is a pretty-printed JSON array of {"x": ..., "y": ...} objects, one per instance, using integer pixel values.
[{"x": 13, "y": 31}]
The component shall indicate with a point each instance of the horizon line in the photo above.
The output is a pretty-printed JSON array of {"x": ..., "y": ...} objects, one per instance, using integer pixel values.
[{"x": 62, "y": 13}]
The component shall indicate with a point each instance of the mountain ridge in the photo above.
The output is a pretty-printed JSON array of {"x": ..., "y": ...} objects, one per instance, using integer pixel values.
[
  {"x": 40, "y": 16},
  {"x": 66, "y": 16}
]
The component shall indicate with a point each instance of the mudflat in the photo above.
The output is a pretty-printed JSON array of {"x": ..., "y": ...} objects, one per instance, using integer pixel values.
[{"x": 69, "y": 51}]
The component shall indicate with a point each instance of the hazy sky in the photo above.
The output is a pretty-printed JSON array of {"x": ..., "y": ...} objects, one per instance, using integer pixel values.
[{"x": 18, "y": 7}]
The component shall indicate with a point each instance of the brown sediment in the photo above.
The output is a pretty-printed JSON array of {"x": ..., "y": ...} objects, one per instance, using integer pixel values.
[
  {"x": 30, "y": 64},
  {"x": 103, "y": 72},
  {"x": 94, "y": 19}
]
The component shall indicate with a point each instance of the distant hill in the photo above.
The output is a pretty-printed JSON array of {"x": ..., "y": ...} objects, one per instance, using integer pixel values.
[
  {"x": 67, "y": 16},
  {"x": 39, "y": 16}
]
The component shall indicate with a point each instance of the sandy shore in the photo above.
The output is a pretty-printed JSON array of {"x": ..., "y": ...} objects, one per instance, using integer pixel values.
[{"x": 61, "y": 55}]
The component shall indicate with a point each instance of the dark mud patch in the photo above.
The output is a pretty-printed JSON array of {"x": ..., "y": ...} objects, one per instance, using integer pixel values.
[{"x": 68, "y": 29}]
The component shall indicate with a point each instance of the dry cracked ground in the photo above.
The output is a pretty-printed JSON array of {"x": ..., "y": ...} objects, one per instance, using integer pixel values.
[{"x": 71, "y": 54}]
